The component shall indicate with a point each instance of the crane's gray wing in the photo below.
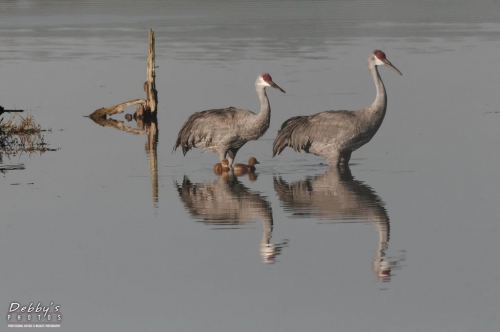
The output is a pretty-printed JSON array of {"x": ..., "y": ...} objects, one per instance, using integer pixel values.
[
  {"x": 206, "y": 128},
  {"x": 300, "y": 132}
]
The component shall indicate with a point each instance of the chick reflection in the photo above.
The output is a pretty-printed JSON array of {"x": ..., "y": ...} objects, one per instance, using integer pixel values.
[
  {"x": 227, "y": 201},
  {"x": 335, "y": 195}
]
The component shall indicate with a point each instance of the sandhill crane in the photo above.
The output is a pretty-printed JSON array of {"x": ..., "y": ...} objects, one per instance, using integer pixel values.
[
  {"x": 225, "y": 131},
  {"x": 334, "y": 135}
]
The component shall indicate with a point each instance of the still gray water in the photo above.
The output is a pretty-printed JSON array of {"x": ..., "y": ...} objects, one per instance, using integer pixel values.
[{"x": 125, "y": 238}]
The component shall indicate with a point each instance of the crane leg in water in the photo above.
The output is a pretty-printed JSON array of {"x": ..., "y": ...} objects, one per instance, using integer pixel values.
[
  {"x": 345, "y": 156},
  {"x": 231, "y": 154}
]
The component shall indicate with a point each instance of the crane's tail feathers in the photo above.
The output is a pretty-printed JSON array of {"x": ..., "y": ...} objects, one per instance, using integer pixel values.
[
  {"x": 184, "y": 146},
  {"x": 184, "y": 139},
  {"x": 293, "y": 133}
]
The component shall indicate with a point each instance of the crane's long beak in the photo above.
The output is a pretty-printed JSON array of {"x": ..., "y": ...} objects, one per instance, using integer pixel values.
[
  {"x": 274, "y": 85},
  {"x": 390, "y": 65}
]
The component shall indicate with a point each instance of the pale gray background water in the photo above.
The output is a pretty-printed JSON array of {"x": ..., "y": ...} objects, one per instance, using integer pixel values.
[{"x": 80, "y": 226}]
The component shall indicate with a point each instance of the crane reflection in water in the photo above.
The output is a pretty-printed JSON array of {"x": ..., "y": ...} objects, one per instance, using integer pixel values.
[
  {"x": 227, "y": 202},
  {"x": 336, "y": 195}
]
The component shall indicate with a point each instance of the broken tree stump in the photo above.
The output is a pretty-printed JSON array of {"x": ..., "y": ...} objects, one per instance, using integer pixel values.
[
  {"x": 147, "y": 105},
  {"x": 145, "y": 117},
  {"x": 151, "y": 94}
]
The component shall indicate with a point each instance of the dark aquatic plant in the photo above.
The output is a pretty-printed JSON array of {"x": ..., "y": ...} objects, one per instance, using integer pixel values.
[{"x": 21, "y": 134}]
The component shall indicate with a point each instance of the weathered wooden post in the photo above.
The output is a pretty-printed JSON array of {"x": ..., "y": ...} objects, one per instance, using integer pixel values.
[
  {"x": 145, "y": 116},
  {"x": 146, "y": 105},
  {"x": 151, "y": 94}
]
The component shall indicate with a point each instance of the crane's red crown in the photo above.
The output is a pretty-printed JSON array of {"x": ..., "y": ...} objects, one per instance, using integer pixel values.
[
  {"x": 266, "y": 77},
  {"x": 379, "y": 54}
]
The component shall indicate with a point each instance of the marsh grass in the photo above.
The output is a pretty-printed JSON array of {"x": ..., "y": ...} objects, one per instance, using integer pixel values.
[{"x": 20, "y": 134}]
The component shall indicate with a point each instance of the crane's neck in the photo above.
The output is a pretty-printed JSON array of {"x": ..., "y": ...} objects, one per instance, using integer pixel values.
[
  {"x": 380, "y": 104},
  {"x": 264, "y": 117}
]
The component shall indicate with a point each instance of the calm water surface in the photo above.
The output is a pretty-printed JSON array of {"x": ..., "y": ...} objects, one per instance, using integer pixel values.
[{"x": 123, "y": 238}]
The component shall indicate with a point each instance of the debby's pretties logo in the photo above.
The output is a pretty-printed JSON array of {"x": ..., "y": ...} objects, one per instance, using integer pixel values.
[{"x": 34, "y": 315}]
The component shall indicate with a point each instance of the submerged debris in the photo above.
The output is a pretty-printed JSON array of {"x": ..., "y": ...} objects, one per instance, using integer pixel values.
[
  {"x": 3, "y": 110},
  {"x": 102, "y": 112}
]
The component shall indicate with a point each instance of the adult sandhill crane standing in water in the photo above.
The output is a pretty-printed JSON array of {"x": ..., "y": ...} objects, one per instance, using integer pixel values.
[
  {"x": 334, "y": 135},
  {"x": 225, "y": 131}
]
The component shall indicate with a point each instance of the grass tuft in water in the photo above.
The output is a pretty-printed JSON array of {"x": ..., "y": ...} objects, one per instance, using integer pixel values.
[{"x": 20, "y": 134}]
